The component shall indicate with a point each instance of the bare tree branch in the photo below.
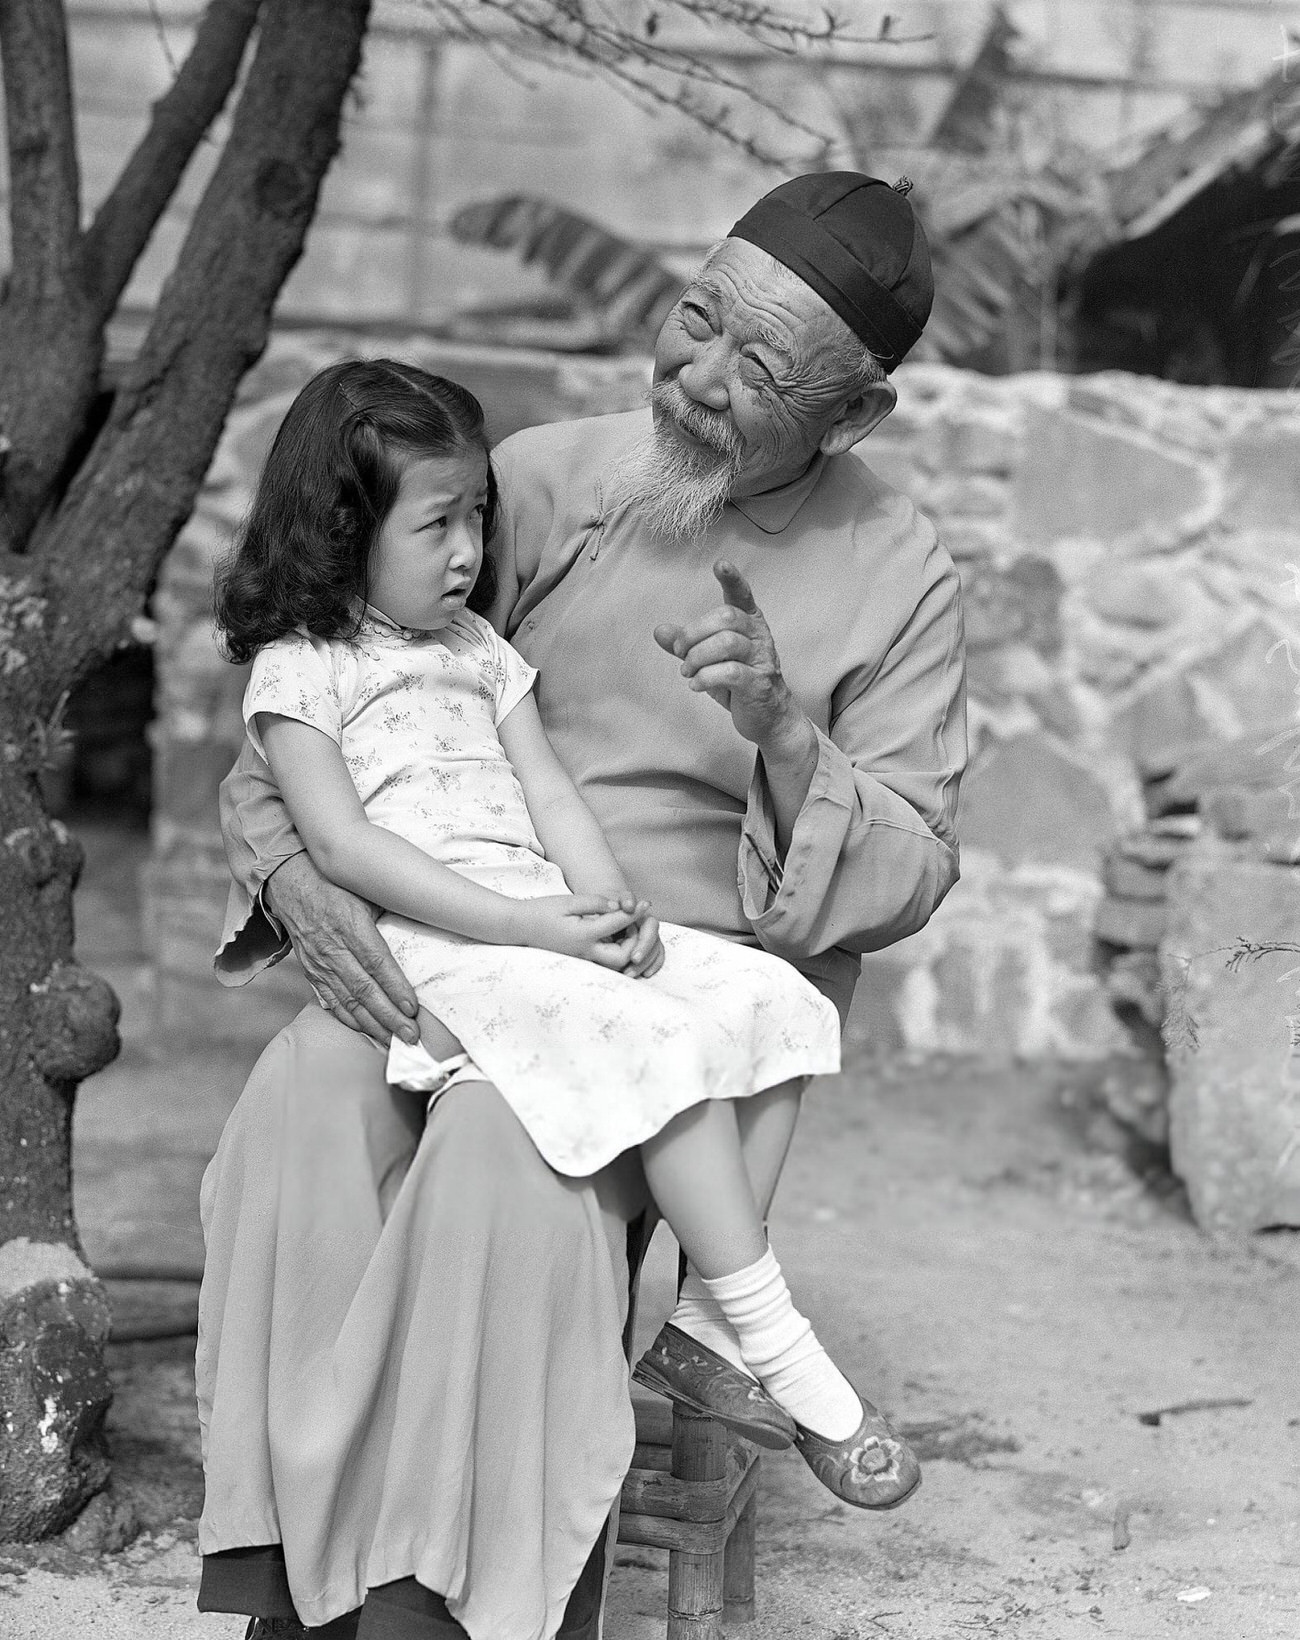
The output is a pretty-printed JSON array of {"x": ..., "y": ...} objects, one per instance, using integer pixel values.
[
  {"x": 44, "y": 180},
  {"x": 124, "y": 221},
  {"x": 139, "y": 483},
  {"x": 650, "y": 75},
  {"x": 655, "y": 72},
  {"x": 1247, "y": 951},
  {"x": 160, "y": 29},
  {"x": 65, "y": 286},
  {"x": 49, "y": 349}
]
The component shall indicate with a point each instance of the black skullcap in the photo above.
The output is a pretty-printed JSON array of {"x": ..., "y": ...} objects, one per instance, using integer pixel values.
[{"x": 857, "y": 242}]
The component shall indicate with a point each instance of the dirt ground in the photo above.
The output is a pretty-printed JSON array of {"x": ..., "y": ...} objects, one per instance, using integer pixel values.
[{"x": 1107, "y": 1403}]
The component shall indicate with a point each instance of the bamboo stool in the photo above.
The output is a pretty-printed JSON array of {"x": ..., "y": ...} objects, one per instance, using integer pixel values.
[{"x": 692, "y": 1490}]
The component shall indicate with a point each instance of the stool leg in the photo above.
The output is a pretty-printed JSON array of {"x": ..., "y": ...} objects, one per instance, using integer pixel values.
[
  {"x": 695, "y": 1581},
  {"x": 738, "y": 1566}
]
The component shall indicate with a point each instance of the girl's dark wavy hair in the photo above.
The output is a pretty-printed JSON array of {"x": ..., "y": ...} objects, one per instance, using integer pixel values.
[{"x": 330, "y": 480}]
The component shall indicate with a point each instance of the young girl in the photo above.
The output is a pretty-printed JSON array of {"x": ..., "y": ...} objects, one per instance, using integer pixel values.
[{"x": 406, "y": 742}]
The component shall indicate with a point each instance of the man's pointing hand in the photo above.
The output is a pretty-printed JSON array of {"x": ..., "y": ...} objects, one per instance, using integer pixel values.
[{"x": 729, "y": 655}]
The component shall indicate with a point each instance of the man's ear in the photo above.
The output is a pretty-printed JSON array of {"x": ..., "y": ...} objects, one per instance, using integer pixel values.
[{"x": 863, "y": 412}]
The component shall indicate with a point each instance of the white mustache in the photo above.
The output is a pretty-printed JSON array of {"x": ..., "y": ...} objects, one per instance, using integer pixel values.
[{"x": 705, "y": 425}]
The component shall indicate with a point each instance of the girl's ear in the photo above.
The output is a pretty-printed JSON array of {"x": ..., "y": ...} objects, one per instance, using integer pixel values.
[{"x": 860, "y": 415}]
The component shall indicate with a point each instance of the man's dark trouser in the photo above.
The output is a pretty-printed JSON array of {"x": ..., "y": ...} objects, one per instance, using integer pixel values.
[{"x": 253, "y": 1580}]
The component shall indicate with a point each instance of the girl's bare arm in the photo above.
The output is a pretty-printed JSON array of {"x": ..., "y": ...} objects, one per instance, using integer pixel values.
[
  {"x": 356, "y": 854},
  {"x": 568, "y": 830}
]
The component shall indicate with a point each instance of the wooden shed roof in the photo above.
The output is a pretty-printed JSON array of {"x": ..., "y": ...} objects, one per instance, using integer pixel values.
[{"x": 1245, "y": 130}]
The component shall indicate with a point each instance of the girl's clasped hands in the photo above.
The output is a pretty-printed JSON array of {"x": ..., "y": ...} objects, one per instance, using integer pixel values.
[{"x": 616, "y": 931}]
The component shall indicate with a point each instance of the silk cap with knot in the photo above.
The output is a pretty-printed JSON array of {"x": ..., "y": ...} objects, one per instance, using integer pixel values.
[{"x": 858, "y": 243}]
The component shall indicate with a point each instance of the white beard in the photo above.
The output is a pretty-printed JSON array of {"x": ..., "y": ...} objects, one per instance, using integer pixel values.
[{"x": 676, "y": 491}]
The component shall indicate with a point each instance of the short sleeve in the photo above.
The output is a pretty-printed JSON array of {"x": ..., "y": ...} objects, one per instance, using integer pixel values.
[
  {"x": 514, "y": 678},
  {"x": 295, "y": 678}
]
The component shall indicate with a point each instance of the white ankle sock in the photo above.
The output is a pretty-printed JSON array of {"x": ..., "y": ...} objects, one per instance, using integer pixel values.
[
  {"x": 782, "y": 1351},
  {"x": 697, "y": 1314}
]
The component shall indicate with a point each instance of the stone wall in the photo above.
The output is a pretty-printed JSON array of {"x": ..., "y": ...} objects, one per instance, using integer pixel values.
[{"x": 1126, "y": 548}]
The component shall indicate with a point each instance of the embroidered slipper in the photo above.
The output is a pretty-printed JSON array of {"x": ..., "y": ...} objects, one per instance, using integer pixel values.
[
  {"x": 678, "y": 1366},
  {"x": 872, "y": 1469}
]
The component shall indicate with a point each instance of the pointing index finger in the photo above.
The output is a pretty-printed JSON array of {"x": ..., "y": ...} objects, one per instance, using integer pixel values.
[{"x": 735, "y": 588}]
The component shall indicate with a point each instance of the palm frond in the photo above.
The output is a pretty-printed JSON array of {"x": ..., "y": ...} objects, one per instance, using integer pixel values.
[{"x": 628, "y": 287}]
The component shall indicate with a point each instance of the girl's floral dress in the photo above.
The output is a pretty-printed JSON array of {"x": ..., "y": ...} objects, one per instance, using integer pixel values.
[{"x": 592, "y": 1062}]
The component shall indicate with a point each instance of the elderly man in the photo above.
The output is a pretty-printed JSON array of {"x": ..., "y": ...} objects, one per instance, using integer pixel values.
[{"x": 750, "y": 660}]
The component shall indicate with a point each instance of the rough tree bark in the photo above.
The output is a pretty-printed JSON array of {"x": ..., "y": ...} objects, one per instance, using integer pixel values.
[{"x": 84, "y": 523}]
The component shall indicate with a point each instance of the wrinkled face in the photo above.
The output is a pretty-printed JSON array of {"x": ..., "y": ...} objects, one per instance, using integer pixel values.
[
  {"x": 755, "y": 352},
  {"x": 427, "y": 554}
]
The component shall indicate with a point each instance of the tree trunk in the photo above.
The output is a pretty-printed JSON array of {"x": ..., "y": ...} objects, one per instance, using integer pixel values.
[
  {"x": 72, "y": 576},
  {"x": 57, "y": 1025}
]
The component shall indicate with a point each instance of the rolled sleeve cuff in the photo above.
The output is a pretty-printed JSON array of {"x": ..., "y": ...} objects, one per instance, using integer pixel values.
[
  {"x": 252, "y": 940},
  {"x": 862, "y": 869},
  {"x": 770, "y": 889}
]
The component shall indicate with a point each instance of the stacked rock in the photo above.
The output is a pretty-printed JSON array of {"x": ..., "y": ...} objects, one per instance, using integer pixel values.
[
  {"x": 1196, "y": 933},
  {"x": 1128, "y": 928}
]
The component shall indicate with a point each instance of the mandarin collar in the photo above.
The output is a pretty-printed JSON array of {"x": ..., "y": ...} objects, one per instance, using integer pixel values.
[
  {"x": 377, "y": 621},
  {"x": 773, "y": 510}
]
